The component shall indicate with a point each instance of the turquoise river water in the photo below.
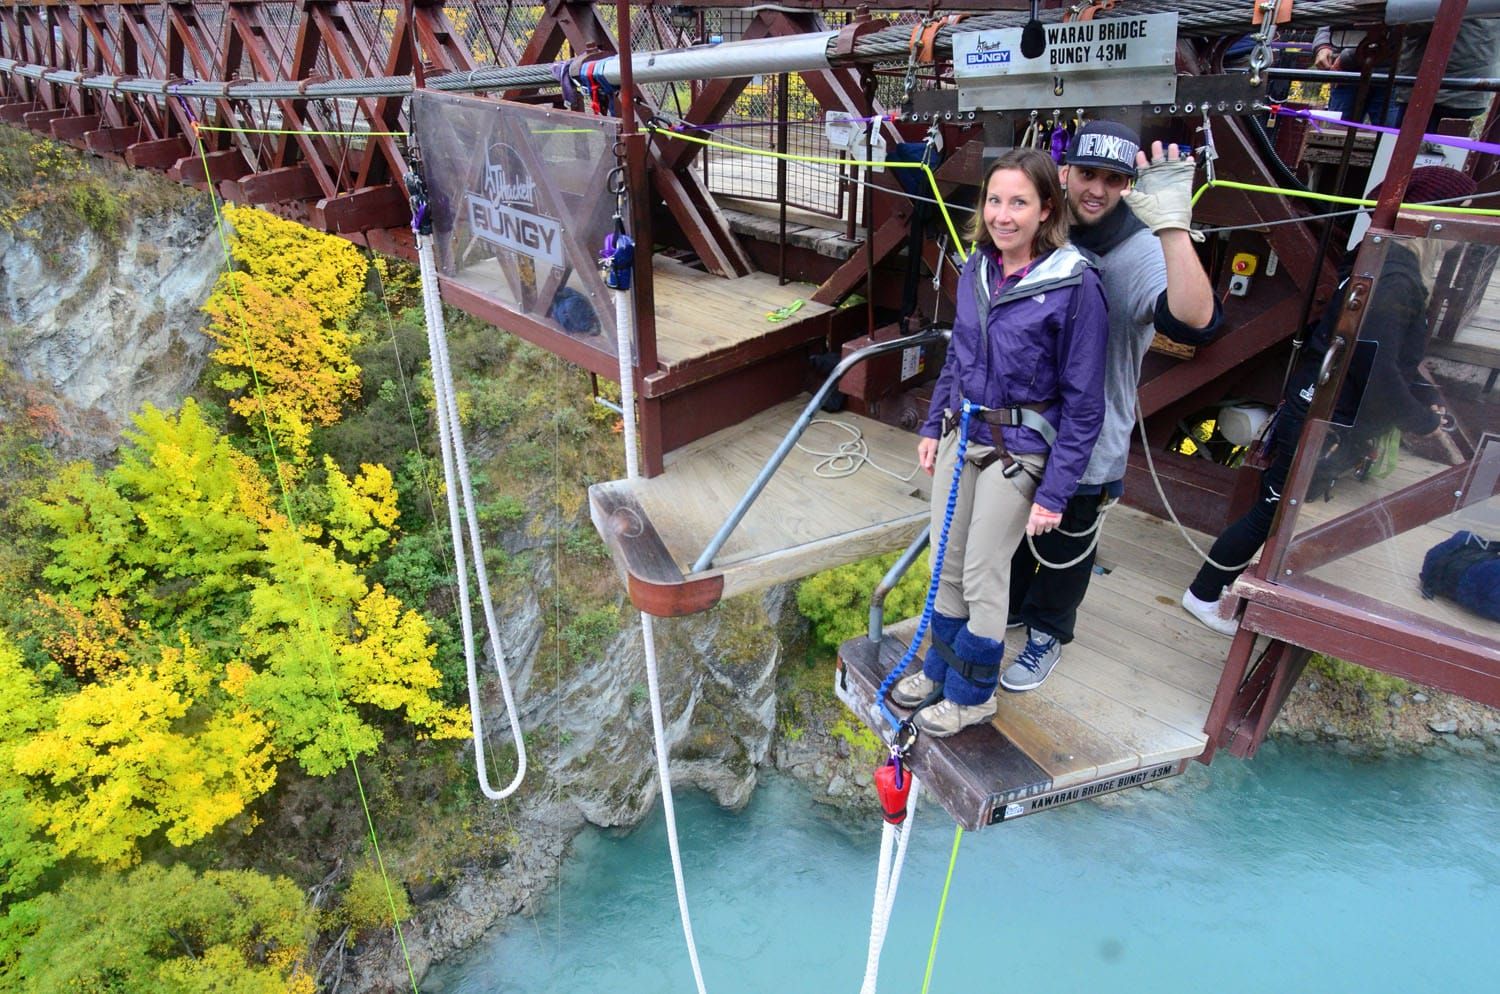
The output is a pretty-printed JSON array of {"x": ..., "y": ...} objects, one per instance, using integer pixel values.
[{"x": 1303, "y": 870}]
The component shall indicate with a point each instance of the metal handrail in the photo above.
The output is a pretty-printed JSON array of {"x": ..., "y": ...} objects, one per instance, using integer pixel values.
[
  {"x": 892, "y": 577},
  {"x": 929, "y": 337}
]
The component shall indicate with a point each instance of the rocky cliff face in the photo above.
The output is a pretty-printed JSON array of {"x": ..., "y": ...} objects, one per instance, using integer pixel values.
[
  {"x": 590, "y": 752},
  {"x": 106, "y": 327}
]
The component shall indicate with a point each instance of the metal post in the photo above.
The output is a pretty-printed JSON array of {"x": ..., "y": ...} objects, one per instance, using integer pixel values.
[{"x": 892, "y": 577}]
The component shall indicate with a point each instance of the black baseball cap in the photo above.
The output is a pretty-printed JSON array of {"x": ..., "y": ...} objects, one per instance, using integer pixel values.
[{"x": 1105, "y": 145}]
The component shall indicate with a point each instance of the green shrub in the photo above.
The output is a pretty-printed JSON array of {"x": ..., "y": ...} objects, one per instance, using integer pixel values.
[
  {"x": 1355, "y": 677},
  {"x": 837, "y": 601},
  {"x": 590, "y": 631},
  {"x": 367, "y": 904}
]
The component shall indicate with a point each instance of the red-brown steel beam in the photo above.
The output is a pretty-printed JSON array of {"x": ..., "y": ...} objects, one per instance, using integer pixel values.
[
  {"x": 43, "y": 49},
  {"x": 251, "y": 35},
  {"x": 350, "y": 55},
  {"x": 381, "y": 160},
  {"x": 687, "y": 198}
]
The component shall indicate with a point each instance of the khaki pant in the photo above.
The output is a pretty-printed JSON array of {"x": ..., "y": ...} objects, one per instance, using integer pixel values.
[{"x": 988, "y": 520}]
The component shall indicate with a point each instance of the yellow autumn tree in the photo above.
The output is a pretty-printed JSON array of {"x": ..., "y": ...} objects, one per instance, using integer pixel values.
[
  {"x": 283, "y": 366},
  {"x": 362, "y": 512},
  {"x": 140, "y": 752},
  {"x": 295, "y": 262},
  {"x": 282, "y": 324},
  {"x": 168, "y": 533},
  {"x": 277, "y": 648},
  {"x": 321, "y": 647},
  {"x": 24, "y": 709}
]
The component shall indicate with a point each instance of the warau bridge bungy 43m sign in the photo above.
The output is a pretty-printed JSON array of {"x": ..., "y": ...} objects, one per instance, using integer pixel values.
[
  {"x": 1126, "y": 60},
  {"x": 520, "y": 208}
]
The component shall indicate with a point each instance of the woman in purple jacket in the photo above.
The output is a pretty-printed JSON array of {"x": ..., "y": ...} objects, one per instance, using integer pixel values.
[{"x": 1027, "y": 354}]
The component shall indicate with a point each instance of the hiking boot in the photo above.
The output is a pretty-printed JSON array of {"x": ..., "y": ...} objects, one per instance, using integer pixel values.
[
  {"x": 946, "y": 718},
  {"x": 1031, "y": 666},
  {"x": 912, "y": 690},
  {"x": 1208, "y": 613}
]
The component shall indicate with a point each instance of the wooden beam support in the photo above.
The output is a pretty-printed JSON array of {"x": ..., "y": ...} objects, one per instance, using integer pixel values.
[
  {"x": 72, "y": 129},
  {"x": 112, "y": 141},
  {"x": 274, "y": 185},
  {"x": 159, "y": 153},
  {"x": 362, "y": 210},
  {"x": 211, "y": 167},
  {"x": 41, "y": 120},
  {"x": 16, "y": 113}
]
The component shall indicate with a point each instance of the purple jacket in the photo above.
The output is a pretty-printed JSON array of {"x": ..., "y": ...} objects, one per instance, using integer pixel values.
[{"x": 1043, "y": 344}]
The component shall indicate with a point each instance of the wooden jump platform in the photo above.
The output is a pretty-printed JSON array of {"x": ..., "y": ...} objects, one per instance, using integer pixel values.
[
  {"x": 1126, "y": 705},
  {"x": 656, "y": 528},
  {"x": 700, "y": 316}
]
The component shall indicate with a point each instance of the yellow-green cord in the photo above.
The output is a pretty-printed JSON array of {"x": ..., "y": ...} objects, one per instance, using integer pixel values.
[
  {"x": 937, "y": 928},
  {"x": 828, "y": 160},
  {"x": 286, "y": 502},
  {"x": 1229, "y": 184}
]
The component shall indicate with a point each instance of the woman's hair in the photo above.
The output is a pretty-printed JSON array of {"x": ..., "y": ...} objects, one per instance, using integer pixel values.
[{"x": 1039, "y": 168}]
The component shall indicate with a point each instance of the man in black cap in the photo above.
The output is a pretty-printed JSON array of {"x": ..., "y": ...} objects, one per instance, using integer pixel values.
[{"x": 1137, "y": 218}]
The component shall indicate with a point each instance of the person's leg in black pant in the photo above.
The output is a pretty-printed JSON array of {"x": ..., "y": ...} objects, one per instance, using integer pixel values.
[{"x": 1049, "y": 601}]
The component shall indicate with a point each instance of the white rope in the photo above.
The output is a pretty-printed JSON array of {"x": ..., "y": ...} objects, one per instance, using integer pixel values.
[
  {"x": 624, "y": 345},
  {"x": 1096, "y": 529},
  {"x": 849, "y": 457},
  {"x": 456, "y": 463},
  {"x": 887, "y": 878}
]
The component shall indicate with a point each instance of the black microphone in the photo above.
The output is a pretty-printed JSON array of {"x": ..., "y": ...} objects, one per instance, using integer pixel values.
[{"x": 1033, "y": 35}]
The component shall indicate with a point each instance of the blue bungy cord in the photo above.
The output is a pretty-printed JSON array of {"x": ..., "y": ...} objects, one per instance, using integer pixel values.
[{"x": 937, "y": 572}]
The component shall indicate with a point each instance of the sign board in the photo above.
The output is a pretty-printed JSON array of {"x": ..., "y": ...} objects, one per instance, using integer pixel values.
[
  {"x": 519, "y": 210},
  {"x": 1102, "y": 62}
]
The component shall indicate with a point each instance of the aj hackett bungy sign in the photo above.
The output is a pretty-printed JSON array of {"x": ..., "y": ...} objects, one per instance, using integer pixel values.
[
  {"x": 504, "y": 214},
  {"x": 1115, "y": 61}
]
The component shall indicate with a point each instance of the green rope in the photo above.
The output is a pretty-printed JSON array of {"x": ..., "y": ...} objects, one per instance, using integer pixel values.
[
  {"x": 313, "y": 614},
  {"x": 937, "y": 928}
]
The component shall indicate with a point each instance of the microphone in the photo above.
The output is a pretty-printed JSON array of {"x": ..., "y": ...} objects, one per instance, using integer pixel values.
[{"x": 1033, "y": 35}]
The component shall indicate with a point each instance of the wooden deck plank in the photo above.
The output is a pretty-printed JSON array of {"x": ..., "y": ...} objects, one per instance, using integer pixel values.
[
  {"x": 1056, "y": 740},
  {"x": 801, "y": 523},
  {"x": 699, "y": 314}
]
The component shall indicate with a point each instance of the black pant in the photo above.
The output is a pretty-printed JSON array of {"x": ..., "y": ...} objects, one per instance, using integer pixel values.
[
  {"x": 1241, "y": 540},
  {"x": 1047, "y": 599}
]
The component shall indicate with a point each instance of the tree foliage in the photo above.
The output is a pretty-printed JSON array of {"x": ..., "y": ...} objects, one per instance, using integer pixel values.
[
  {"x": 143, "y": 751},
  {"x": 362, "y": 512},
  {"x": 165, "y": 931},
  {"x": 283, "y": 365},
  {"x": 24, "y": 708},
  {"x": 204, "y": 640},
  {"x": 293, "y": 261},
  {"x": 282, "y": 324},
  {"x": 169, "y": 532}
]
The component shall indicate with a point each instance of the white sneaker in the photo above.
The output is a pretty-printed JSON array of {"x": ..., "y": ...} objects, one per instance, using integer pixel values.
[{"x": 1207, "y": 612}]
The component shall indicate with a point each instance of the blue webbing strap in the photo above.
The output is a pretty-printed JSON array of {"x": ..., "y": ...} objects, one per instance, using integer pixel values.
[{"x": 937, "y": 572}]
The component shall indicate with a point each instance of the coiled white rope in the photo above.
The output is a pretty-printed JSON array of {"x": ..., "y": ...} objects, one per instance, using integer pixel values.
[
  {"x": 887, "y": 878},
  {"x": 847, "y": 458},
  {"x": 625, "y": 350},
  {"x": 456, "y": 464}
]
